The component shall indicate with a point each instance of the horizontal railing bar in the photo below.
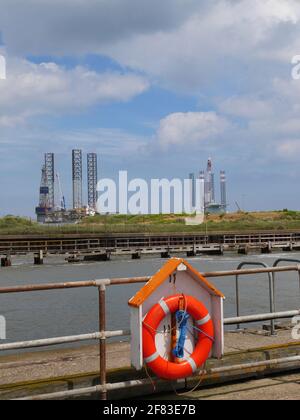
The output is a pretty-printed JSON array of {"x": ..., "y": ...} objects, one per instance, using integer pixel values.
[
  {"x": 62, "y": 340},
  {"x": 264, "y": 363},
  {"x": 122, "y": 333},
  {"x": 131, "y": 280},
  {"x": 141, "y": 382},
  {"x": 123, "y": 281},
  {"x": 71, "y": 285},
  {"x": 252, "y": 271},
  {"x": 260, "y": 317},
  {"x": 47, "y": 286}
]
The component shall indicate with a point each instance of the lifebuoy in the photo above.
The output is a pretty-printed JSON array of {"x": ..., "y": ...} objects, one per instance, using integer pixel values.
[{"x": 162, "y": 367}]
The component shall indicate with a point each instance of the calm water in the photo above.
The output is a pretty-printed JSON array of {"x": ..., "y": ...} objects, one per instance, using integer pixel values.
[{"x": 58, "y": 313}]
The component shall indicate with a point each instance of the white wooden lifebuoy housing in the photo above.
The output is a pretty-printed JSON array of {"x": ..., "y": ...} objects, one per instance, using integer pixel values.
[{"x": 176, "y": 276}]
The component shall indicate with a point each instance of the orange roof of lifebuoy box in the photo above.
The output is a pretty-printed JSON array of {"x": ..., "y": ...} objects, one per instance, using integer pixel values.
[{"x": 163, "y": 274}]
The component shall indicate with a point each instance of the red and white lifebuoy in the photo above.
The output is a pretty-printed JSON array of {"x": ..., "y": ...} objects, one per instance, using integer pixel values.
[{"x": 169, "y": 370}]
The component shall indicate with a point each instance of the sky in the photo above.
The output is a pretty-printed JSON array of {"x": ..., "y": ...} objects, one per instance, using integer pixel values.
[{"x": 155, "y": 88}]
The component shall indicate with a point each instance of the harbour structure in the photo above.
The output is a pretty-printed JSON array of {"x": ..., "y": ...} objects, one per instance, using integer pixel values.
[
  {"x": 92, "y": 178},
  {"x": 77, "y": 178},
  {"x": 99, "y": 246}
]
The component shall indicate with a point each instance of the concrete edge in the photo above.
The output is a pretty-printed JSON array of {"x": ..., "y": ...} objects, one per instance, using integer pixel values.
[{"x": 49, "y": 385}]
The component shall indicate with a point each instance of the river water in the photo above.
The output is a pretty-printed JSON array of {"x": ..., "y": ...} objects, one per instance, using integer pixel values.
[{"x": 57, "y": 313}]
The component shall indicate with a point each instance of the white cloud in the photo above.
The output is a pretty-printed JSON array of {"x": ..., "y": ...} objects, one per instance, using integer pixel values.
[
  {"x": 246, "y": 107},
  {"x": 107, "y": 142},
  {"x": 183, "y": 44},
  {"x": 185, "y": 129},
  {"x": 38, "y": 89},
  {"x": 225, "y": 52},
  {"x": 71, "y": 27},
  {"x": 289, "y": 150},
  {"x": 226, "y": 42}
]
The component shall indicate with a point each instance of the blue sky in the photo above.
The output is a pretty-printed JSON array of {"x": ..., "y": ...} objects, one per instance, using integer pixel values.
[{"x": 154, "y": 88}]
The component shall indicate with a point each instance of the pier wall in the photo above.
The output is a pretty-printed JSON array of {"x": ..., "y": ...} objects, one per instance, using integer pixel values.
[{"x": 138, "y": 244}]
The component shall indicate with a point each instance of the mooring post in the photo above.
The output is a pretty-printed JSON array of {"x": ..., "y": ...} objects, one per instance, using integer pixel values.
[
  {"x": 6, "y": 261},
  {"x": 136, "y": 256},
  {"x": 102, "y": 344},
  {"x": 39, "y": 258},
  {"x": 165, "y": 254}
]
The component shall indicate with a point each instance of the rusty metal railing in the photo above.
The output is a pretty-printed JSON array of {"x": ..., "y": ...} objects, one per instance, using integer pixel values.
[
  {"x": 271, "y": 290},
  {"x": 102, "y": 335}
]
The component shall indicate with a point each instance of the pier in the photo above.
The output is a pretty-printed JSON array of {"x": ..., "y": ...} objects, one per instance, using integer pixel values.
[
  {"x": 105, "y": 246},
  {"x": 66, "y": 370},
  {"x": 103, "y": 371}
]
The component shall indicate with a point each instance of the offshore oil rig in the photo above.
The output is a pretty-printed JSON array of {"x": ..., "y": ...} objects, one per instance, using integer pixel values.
[
  {"x": 211, "y": 205},
  {"x": 52, "y": 204}
]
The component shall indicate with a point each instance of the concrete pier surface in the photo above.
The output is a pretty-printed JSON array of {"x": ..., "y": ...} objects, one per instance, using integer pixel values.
[
  {"x": 49, "y": 371},
  {"x": 275, "y": 388}
]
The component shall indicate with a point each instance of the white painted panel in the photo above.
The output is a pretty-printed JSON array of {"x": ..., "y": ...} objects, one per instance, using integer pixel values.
[
  {"x": 217, "y": 316},
  {"x": 163, "y": 337},
  {"x": 136, "y": 337}
]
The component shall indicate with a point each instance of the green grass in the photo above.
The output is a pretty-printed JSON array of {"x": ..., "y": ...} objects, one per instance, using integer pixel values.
[{"x": 273, "y": 221}]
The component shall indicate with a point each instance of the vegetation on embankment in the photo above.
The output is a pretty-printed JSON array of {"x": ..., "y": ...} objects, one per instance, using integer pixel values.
[{"x": 231, "y": 222}]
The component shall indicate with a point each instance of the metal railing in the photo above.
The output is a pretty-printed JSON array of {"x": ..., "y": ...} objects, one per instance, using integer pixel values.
[
  {"x": 271, "y": 290},
  {"x": 276, "y": 264},
  {"x": 102, "y": 335}
]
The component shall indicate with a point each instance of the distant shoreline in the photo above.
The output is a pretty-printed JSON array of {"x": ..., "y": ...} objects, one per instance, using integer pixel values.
[{"x": 273, "y": 221}]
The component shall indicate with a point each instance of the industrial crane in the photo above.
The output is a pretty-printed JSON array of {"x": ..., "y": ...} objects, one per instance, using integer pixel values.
[
  {"x": 239, "y": 208},
  {"x": 62, "y": 200}
]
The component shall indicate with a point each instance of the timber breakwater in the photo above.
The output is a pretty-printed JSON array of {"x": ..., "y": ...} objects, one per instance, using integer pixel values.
[{"x": 95, "y": 247}]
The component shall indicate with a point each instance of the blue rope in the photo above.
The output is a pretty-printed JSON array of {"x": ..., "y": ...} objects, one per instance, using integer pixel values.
[{"x": 182, "y": 318}]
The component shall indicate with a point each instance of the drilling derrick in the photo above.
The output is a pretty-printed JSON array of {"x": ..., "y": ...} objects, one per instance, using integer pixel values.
[
  {"x": 49, "y": 168},
  {"x": 44, "y": 203},
  {"x": 77, "y": 179},
  {"x": 92, "y": 176}
]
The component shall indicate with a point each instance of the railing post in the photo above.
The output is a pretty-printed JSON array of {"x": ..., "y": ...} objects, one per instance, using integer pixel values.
[
  {"x": 276, "y": 264},
  {"x": 271, "y": 291},
  {"x": 272, "y": 301},
  {"x": 299, "y": 276},
  {"x": 237, "y": 296},
  {"x": 102, "y": 343}
]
